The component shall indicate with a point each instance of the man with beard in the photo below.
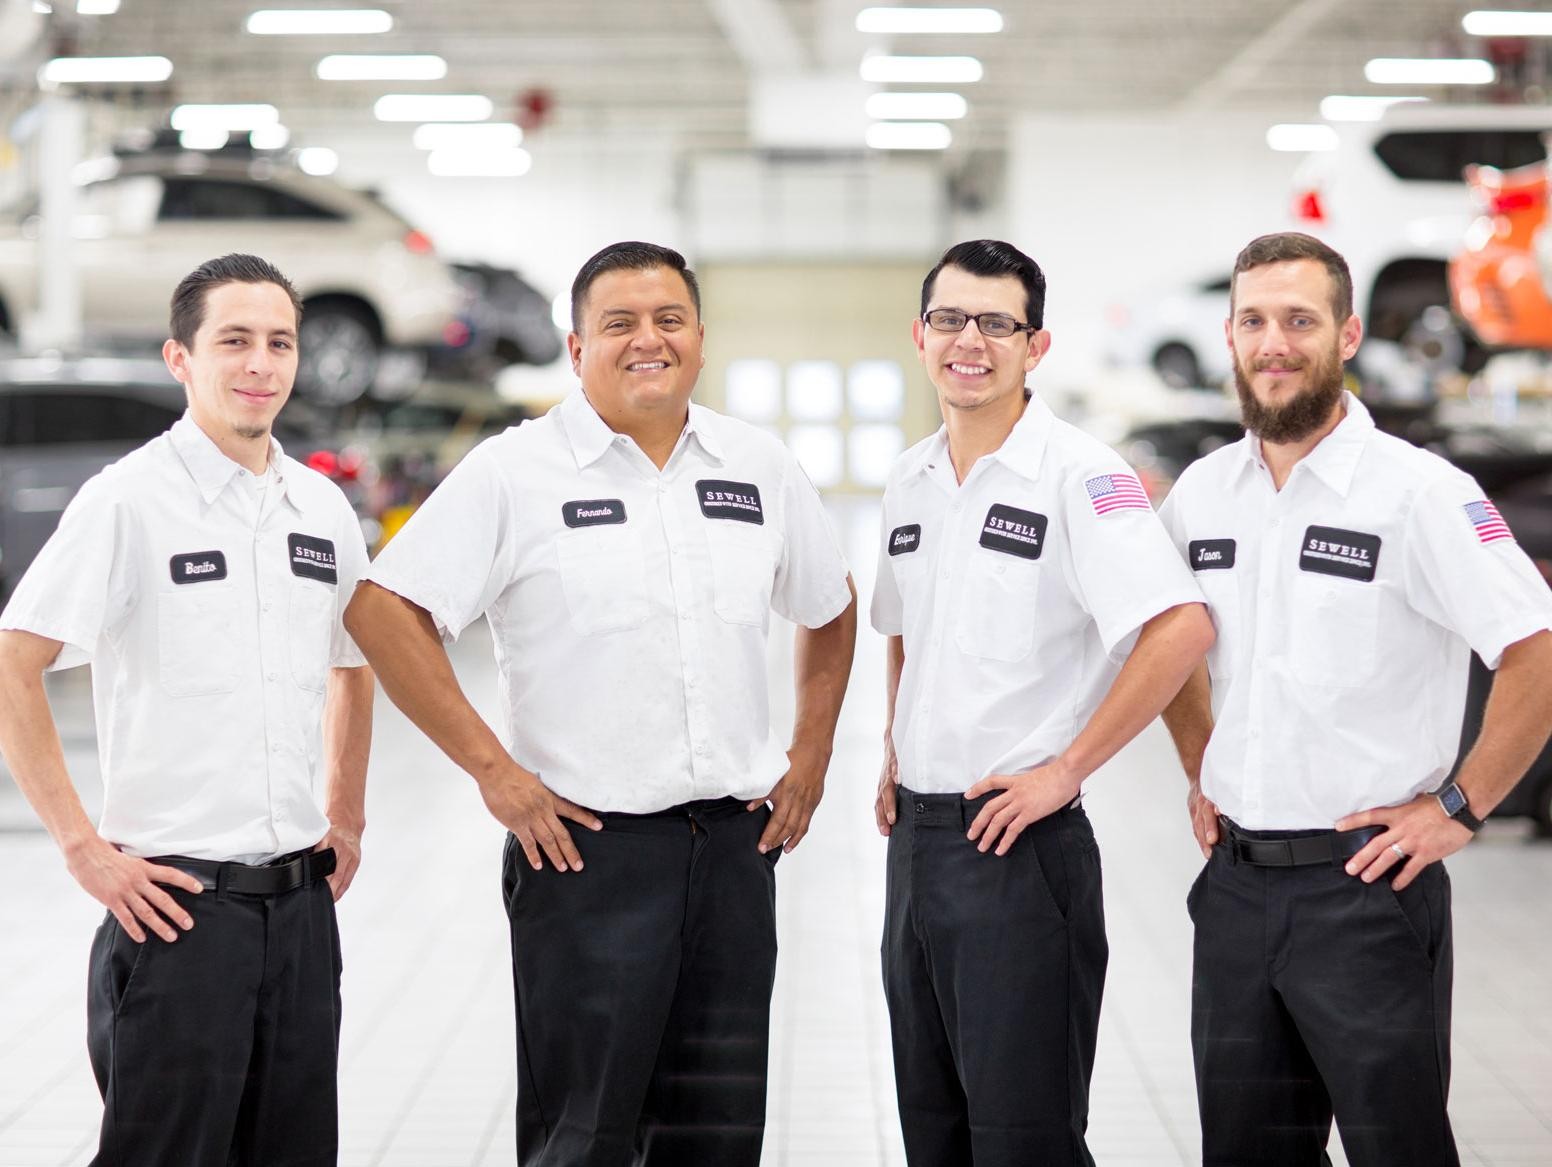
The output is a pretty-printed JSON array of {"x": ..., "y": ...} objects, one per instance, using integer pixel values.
[{"x": 1349, "y": 575}]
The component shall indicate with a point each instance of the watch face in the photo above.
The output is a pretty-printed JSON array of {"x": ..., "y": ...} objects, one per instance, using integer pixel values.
[{"x": 1452, "y": 800}]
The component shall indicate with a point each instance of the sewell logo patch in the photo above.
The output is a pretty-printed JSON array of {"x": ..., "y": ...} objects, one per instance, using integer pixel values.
[
  {"x": 1014, "y": 532},
  {"x": 197, "y": 566},
  {"x": 593, "y": 512},
  {"x": 904, "y": 540},
  {"x": 312, "y": 558},
  {"x": 730, "y": 500},
  {"x": 1333, "y": 551},
  {"x": 1210, "y": 554}
]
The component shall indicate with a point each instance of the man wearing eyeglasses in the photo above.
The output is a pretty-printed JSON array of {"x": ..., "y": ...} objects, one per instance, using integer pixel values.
[{"x": 1038, "y": 617}]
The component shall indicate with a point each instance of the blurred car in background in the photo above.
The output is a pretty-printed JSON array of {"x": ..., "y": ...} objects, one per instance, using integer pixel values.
[
  {"x": 1391, "y": 199},
  {"x": 63, "y": 421},
  {"x": 1500, "y": 277},
  {"x": 504, "y": 320},
  {"x": 370, "y": 283},
  {"x": 1177, "y": 332}
]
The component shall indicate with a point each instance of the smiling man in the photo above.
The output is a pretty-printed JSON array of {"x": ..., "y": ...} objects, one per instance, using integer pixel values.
[
  {"x": 1038, "y": 618},
  {"x": 203, "y": 577},
  {"x": 628, "y": 549},
  {"x": 1349, "y": 574}
]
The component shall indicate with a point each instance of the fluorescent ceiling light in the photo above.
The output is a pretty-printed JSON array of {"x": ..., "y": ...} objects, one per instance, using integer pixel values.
[
  {"x": 906, "y": 70},
  {"x": 1489, "y": 23},
  {"x": 273, "y": 137},
  {"x": 909, "y": 136},
  {"x": 42, "y": 8},
  {"x": 203, "y": 138},
  {"x": 1428, "y": 71},
  {"x": 391, "y": 67},
  {"x": 224, "y": 117},
  {"x": 468, "y": 136},
  {"x": 1294, "y": 138},
  {"x": 318, "y": 160},
  {"x": 931, "y": 20},
  {"x": 1340, "y": 107},
  {"x": 100, "y": 70},
  {"x": 96, "y": 7},
  {"x": 318, "y": 22},
  {"x": 460, "y": 163},
  {"x": 433, "y": 107},
  {"x": 907, "y": 107}
]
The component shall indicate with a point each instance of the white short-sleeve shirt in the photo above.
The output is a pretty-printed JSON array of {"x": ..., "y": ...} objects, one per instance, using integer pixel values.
[
  {"x": 1018, "y": 594},
  {"x": 1346, "y": 605},
  {"x": 629, "y": 606},
  {"x": 210, "y": 610}
]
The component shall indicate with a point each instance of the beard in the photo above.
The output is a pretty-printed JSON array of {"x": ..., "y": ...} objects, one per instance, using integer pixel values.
[
  {"x": 1299, "y": 417},
  {"x": 251, "y": 433}
]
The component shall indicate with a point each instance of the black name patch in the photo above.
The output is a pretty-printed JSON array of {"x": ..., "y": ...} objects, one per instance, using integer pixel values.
[
  {"x": 312, "y": 558},
  {"x": 1014, "y": 532},
  {"x": 904, "y": 540},
  {"x": 196, "y": 566},
  {"x": 730, "y": 500},
  {"x": 1211, "y": 554},
  {"x": 593, "y": 512},
  {"x": 1332, "y": 551}
]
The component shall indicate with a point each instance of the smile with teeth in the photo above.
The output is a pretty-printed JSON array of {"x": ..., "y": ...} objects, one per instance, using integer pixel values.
[
  {"x": 646, "y": 366},
  {"x": 969, "y": 370}
]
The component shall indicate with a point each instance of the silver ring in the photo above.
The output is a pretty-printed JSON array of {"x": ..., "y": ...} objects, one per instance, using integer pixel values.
[{"x": 1396, "y": 847}]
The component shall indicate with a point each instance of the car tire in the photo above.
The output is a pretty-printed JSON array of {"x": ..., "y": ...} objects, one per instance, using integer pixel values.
[
  {"x": 1177, "y": 366},
  {"x": 341, "y": 347},
  {"x": 1417, "y": 316}
]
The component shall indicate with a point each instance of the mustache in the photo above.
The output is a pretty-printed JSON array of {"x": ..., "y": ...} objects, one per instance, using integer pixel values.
[{"x": 1281, "y": 366}]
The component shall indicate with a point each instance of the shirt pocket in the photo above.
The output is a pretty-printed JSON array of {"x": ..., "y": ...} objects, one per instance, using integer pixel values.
[
  {"x": 602, "y": 572},
  {"x": 311, "y": 633},
  {"x": 743, "y": 572},
  {"x": 1221, "y": 591},
  {"x": 1333, "y": 631},
  {"x": 997, "y": 606},
  {"x": 194, "y": 628}
]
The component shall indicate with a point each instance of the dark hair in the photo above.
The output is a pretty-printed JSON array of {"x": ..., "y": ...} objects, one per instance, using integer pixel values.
[
  {"x": 629, "y": 256},
  {"x": 188, "y": 298},
  {"x": 1288, "y": 246},
  {"x": 993, "y": 257}
]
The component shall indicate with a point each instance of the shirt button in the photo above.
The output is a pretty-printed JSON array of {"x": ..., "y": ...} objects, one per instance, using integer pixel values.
[
  {"x": 701, "y": 750},
  {"x": 265, "y": 606},
  {"x": 269, "y": 676},
  {"x": 275, "y": 749},
  {"x": 944, "y": 573}
]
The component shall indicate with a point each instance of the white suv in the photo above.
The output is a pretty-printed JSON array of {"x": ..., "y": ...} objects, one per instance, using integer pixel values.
[
  {"x": 1391, "y": 199},
  {"x": 368, "y": 280}
]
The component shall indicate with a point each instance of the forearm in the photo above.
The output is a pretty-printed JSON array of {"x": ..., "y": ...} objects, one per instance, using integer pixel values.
[
  {"x": 29, "y": 740},
  {"x": 1190, "y": 722},
  {"x": 347, "y": 743},
  {"x": 1169, "y": 647},
  {"x": 822, "y": 660},
  {"x": 894, "y": 665},
  {"x": 1515, "y": 724}
]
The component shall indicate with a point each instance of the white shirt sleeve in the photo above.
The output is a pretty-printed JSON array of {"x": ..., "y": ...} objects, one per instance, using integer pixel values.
[
  {"x": 811, "y": 578},
  {"x": 1488, "y": 593},
  {"x": 1126, "y": 568},
  {"x": 350, "y": 561},
  {"x": 887, "y": 611},
  {"x": 78, "y": 587},
  {"x": 457, "y": 553}
]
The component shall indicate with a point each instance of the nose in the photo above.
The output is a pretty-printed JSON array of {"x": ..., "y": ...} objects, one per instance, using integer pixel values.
[
  {"x": 1274, "y": 341},
  {"x": 970, "y": 337}
]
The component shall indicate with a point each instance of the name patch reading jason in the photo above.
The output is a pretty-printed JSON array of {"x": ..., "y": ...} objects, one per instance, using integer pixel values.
[
  {"x": 196, "y": 566},
  {"x": 904, "y": 540},
  {"x": 1210, "y": 554},
  {"x": 1332, "y": 551},
  {"x": 1014, "y": 532},
  {"x": 312, "y": 558},
  {"x": 593, "y": 512},
  {"x": 730, "y": 500}
]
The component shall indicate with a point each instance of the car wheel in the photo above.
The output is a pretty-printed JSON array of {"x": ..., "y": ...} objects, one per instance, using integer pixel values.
[
  {"x": 1178, "y": 367},
  {"x": 1433, "y": 340},
  {"x": 340, "y": 351}
]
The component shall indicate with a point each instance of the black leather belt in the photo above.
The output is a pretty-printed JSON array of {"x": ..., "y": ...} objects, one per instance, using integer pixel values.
[
  {"x": 287, "y": 873},
  {"x": 1301, "y": 849}
]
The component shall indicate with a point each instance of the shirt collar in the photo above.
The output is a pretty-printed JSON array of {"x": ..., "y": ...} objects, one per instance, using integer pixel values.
[
  {"x": 1334, "y": 460},
  {"x": 1022, "y": 451},
  {"x": 212, "y": 470},
  {"x": 590, "y": 436}
]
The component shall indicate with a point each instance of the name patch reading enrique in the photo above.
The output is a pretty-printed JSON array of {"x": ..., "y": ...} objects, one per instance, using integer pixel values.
[
  {"x": 730, "y": 500},
  {"x": 1210, "y": 554},
  {"x": 312, "y": 558},
  {"x": 593, "y": 512},
  {"x": 1014, "y": 532},
  {"x": 195, "y": 566},
  {"x": 904, "y": 540},
  {"x": 1333, "y": 551}
]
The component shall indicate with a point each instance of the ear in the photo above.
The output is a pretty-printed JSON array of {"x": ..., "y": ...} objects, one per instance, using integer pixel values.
[
  {"x": 1351, "y": 335},
  {"x": 919, "y": 336},
  {"x": 1228, "y": 335},
  {"x": 700, "y": 331},
  {"x": 176, "y": 358},
  {"x": 574, "y": 347},
  {"x": 1039, "y": 345}
]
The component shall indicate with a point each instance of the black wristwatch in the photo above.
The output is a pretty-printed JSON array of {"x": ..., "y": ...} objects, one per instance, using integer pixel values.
[{"x": 1453, "y": 799}]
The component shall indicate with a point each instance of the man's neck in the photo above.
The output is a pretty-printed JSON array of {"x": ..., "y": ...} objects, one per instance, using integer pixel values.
[
  {"x": 974, "y": 433},
  {"x": 252, "y": 454},
  {"x": 655, "y": 434},
  {"x": 1282, "y": 457}
]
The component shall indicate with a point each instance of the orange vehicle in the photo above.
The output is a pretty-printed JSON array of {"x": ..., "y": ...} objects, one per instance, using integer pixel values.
[{"x": 1500, "y": 279}]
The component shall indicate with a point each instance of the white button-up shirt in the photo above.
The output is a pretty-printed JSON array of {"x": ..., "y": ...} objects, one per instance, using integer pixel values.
[
  {"x": 628, "y": 605},
  {"x": 1346, "y": 605},
  {"x": 210, "y": 628},
  {"x": 1019, "y": 594}
]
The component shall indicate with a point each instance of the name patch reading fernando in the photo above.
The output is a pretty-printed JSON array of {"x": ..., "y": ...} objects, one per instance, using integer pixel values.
[{"x": 593, "y": 512}]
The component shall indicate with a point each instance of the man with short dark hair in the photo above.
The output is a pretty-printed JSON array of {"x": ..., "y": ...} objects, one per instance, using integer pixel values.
[
  {"x": 1038, "y": 619},
  {"x": 628, "y": 549},
  {"x": 204, "y": 577},
  {"x": 1350, "y": 575}
]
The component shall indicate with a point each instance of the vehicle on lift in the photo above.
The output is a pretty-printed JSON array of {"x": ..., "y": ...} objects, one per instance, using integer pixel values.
[
  {"x": 1500, "y": 278},
  {"x": 504, "y": 320},
  {"x": 1391, "y": 199},
  {"x": 370, "y": 282},
  {"x": 1177, "y": 332}
]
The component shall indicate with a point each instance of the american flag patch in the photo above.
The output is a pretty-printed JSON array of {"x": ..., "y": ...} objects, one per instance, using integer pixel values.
[
  {"x": 1488, "y": 522},
  {"x": 1117, "y": 492}
]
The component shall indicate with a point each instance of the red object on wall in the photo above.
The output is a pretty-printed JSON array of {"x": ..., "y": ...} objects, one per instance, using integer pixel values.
[{"x": 534, "y": 107}]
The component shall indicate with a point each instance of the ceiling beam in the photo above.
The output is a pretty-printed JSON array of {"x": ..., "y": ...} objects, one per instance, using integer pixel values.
[
  {"x": 1281, "y": 38},
  {"x": 762, "y": 36}
]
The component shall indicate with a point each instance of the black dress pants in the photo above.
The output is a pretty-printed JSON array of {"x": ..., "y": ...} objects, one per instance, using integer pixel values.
[
  {"x": 221, "y": 1048},
  {"x": 993, "y": 969},
  {"x": 1315, "y": 993},
  {"x": 643, "y": 991}
]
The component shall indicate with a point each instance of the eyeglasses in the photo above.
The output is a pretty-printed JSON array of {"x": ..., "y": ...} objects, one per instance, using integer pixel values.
[{"x": 995, "y": 324}]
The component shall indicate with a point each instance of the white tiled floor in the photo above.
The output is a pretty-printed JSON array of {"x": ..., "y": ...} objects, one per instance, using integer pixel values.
[{"x": 427, "y": 1077}]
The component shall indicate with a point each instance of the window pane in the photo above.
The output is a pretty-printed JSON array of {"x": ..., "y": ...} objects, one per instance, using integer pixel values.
[
  {"x": 754, "y": 390},
  {"x": 818, "y": 450},
  {"x": 876, "y": 390},
  {"x": 814, "y": 391},
  {"x": 874, "y": 449}
]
